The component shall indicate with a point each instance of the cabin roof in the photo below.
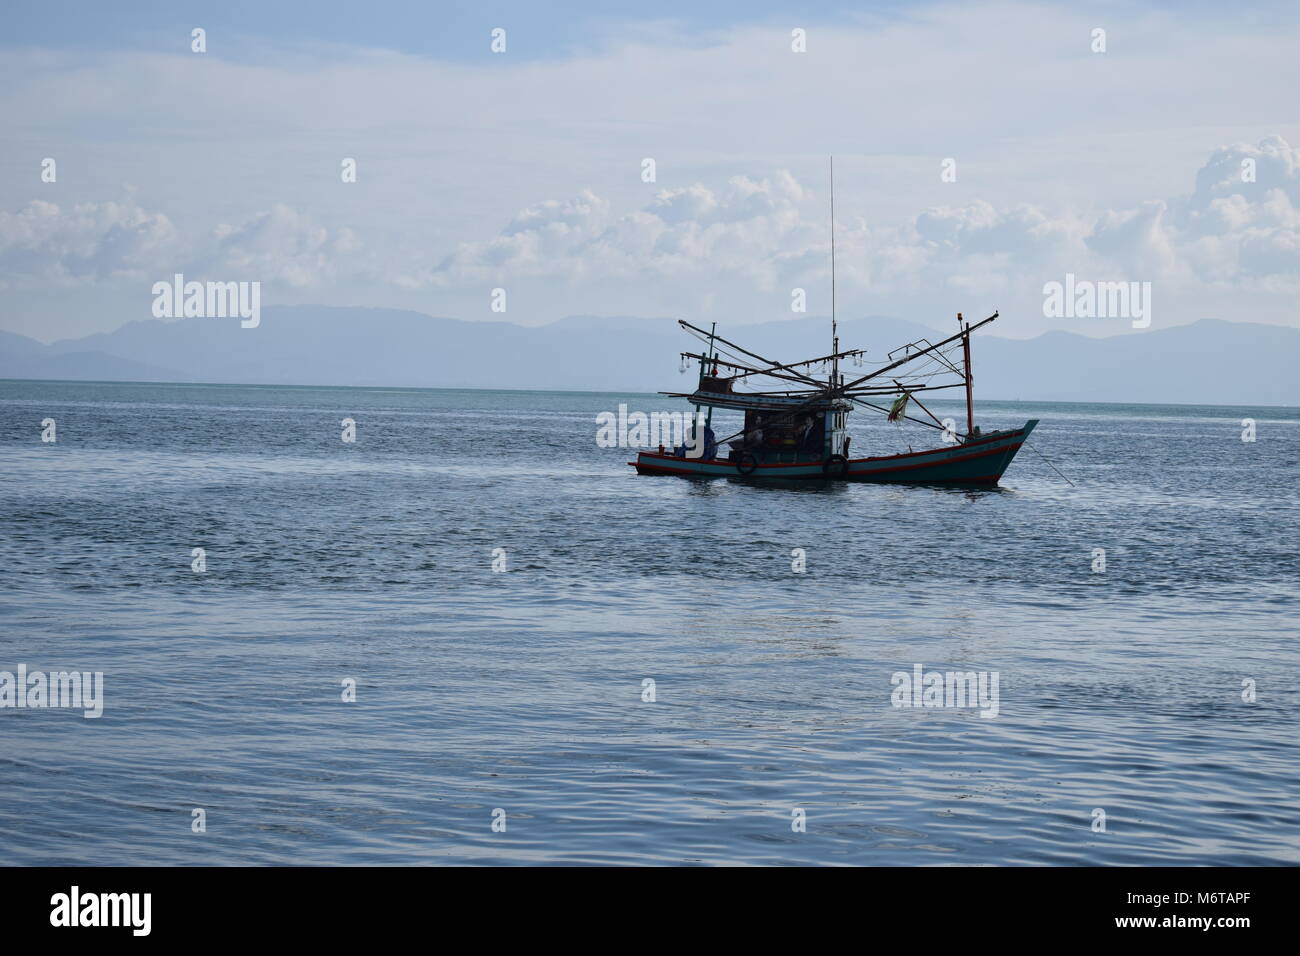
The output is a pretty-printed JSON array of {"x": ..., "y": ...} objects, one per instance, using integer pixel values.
[{"x": 742, "y": 401}]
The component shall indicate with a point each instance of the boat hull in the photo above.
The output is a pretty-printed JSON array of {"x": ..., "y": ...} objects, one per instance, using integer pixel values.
[{"x": 978, "y": 462}]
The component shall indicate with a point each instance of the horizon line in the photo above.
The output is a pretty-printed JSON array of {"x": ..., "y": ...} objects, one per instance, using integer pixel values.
[{"x": 576, "y": 391}]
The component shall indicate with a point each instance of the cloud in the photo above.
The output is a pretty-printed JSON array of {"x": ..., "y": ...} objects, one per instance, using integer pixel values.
[
  {"x": 1136, "y": 240},
  {"x": 282, "y": 245},
  {"x": 481, "y": 170},
  {"x": 88, "y": 242},
  {"x": 754, "y": 238},
  {"x": 978, "y": 228},
  {"x": 43, "y": 244},
  {"x": 1230, "y": 170},
  {"x": 769, "y": 231},
  {"x": 749, "y": 240},
  {"x": 1240, "y": 227},
  {"x": 747, "y": 228}
]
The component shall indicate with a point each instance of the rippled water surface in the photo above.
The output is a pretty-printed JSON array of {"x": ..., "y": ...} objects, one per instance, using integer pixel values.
[{"x": 476, "y": 690}]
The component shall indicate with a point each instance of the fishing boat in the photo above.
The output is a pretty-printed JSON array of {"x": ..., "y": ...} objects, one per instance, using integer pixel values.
[{"x": 800, "y": 431}]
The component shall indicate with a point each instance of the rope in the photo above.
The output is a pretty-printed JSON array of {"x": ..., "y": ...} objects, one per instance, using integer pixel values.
[{"x": 1046, "y": 459}]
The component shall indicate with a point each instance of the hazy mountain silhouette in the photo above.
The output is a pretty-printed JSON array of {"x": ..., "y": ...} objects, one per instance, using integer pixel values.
[{"x": 1210, "y": 361}]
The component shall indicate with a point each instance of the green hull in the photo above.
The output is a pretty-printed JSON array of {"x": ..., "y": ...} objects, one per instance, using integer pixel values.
[{"x": 980, "y": 462}]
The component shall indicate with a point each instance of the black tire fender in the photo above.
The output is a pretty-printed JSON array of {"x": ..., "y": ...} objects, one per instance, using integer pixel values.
[
  {"x": 836, "y": 466},
  {"x": 746, "y": 463}
]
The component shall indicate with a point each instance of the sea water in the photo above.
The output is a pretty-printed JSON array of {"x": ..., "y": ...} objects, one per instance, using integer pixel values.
[{"x": 471, "y": 635}]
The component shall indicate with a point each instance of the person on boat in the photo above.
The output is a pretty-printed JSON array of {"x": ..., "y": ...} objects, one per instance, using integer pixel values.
[
  {"x": 805, "y": 431},
  {"x": 688, "y": 448}
]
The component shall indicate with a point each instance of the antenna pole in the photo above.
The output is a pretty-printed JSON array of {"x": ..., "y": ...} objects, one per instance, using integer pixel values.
[
  {"x": 835, "y": 335},
  {"x": 965, "y": 344},
  {"x": 708, "y": 421}
]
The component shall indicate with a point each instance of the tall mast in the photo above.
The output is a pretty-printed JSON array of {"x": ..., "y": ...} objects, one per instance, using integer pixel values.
[
  {"x": 710, "y": 355},
  {"x": 835, "y": 335}
]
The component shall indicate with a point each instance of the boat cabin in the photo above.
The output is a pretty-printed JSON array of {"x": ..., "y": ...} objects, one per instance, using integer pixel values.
[{"x": 778, "y": 429}]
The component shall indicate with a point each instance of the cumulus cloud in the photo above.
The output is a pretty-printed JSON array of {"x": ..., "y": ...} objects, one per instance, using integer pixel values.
[
  {"x": 1024, "y": 231},
  {"x": 745, "y": 228},
  {"x": 1271, "y": 164},
  {"x": 282, "y": 245},
  {"x": 88, "y": 242},
  {"x": 45, "y": 244},
  {"x": 1241, "y": 224},
  {"x": 771, "y": 230},
  {"x": 1136, "y": 239},
  {"x": 747, "y": 241}
]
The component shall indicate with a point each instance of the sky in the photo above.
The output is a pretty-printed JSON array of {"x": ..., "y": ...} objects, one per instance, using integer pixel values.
[{"x": 981, "y": 151}]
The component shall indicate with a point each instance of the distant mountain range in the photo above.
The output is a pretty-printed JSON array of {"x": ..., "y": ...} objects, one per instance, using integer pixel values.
[{"x": 1206, "y": 362}]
